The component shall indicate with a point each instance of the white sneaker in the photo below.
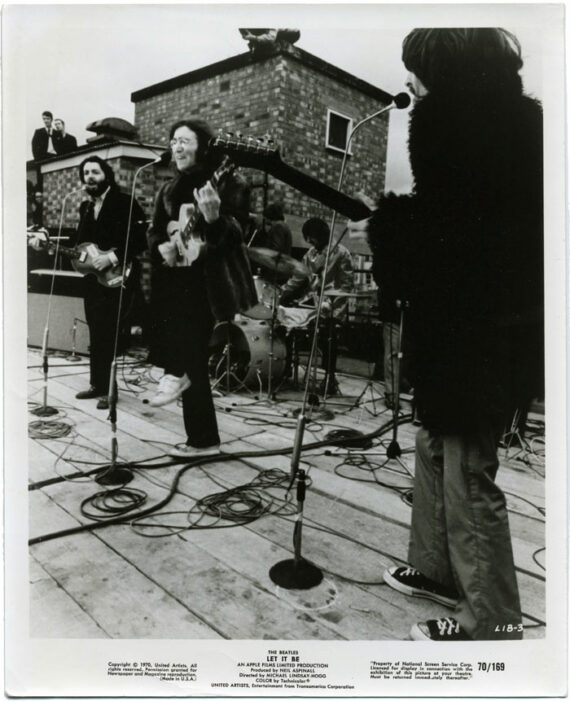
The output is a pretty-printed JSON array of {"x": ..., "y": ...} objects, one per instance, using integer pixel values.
[
  {"x": 182, "y": 450},
  {"x": 169, "y": 389}
]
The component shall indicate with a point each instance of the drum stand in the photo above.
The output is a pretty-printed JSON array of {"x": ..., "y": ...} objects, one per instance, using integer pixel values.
[
  {"x": 330, "y": 382},
  {"x": 274, "y": 306},
  {"x": 228, "y": 374}
]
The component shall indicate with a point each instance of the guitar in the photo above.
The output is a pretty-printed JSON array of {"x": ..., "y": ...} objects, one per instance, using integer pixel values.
[
  {"x": 82, "y": 261},
  {"x": 189, "y": 243},
  {"x": 254, "y": 153}
]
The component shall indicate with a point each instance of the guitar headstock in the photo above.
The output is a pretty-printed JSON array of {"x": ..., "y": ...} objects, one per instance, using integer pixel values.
[{"x": 246, "y": 151}]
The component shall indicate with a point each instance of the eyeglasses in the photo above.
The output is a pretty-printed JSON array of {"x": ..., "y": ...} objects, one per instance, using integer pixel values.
[{"x": 182, "y": 142}]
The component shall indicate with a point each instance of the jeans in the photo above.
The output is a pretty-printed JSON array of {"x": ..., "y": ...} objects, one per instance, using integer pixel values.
[{"x": 460, "y": 532}]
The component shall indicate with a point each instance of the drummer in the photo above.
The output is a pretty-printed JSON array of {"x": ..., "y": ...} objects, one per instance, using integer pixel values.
[{"x": 339, "y": 274}]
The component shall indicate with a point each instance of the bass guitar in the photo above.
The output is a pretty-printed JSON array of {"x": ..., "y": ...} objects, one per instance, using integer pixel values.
[
  {"x": 255, "y": 153},
  {"x": 190, "y": 243},
  {"x": 82, "y": 261}
]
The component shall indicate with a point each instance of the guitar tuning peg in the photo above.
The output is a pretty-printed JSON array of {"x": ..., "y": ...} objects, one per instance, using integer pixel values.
[{"x": 239, "y": 135}]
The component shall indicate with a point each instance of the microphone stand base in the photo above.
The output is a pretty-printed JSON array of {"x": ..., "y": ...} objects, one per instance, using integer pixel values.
[
  {"x": 114, "y": 475},
  {"x": 44, "y": 411},
  {"x": 393, "y": 450},
  {"x": 296, "y": 574}
]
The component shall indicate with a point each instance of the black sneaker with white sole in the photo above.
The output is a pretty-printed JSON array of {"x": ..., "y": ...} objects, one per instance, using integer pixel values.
[
  {"x": 408, "y": 580},
  {"x": 439, "y": 630}
]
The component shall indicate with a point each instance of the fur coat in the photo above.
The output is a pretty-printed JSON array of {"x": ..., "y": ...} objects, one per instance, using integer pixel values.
[
  {"x": 465, "y": 250},
  {"x": 224, "y": 268}
]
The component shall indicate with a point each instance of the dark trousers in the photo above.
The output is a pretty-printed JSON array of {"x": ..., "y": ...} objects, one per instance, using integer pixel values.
[
  {"x": 182, "y": 328},
  {"x": 101, "y": 308}
]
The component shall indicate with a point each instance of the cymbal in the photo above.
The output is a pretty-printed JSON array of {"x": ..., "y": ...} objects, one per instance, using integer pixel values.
[
  {"x": 277, "y": 262},
  {"x": 332, "y": 292}
]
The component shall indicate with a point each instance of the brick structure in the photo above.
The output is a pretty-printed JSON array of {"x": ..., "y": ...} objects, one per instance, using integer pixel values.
[
  {"x": 287, "y": 94},
  {"x": 60, "y": 176}
]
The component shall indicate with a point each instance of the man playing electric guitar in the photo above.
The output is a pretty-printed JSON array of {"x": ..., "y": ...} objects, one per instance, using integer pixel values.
[{"x": 199, "y": 276}]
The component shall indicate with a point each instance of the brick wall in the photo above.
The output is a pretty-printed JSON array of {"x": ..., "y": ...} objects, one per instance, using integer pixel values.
[
  {"x": 283, "y": 97},
  {"x": 58, "y": 183}
]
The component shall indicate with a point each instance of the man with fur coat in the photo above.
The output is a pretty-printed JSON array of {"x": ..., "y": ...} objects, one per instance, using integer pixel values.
[{"x": 465, "y": 250}]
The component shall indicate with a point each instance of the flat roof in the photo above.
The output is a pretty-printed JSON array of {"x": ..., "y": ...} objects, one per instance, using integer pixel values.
[{"x": 246, "y": 59}]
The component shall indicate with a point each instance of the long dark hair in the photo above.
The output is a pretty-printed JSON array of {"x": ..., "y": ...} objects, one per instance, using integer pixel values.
[
  {"x": 204, "y": 133},
  {"x": 105, "y": 167},
  {"x": 471, "y": 60}
]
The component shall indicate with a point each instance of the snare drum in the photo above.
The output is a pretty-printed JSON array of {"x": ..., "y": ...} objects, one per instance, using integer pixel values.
[
  {"x": 296, "y": 317},
  {"x": 249, "y": 346}
]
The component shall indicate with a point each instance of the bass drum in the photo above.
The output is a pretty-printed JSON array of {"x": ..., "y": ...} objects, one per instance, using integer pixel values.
[{"x": 249, "y": 345}]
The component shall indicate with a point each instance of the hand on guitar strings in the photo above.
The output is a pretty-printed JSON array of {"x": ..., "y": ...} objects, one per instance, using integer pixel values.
[
  {"x": 102, "y": 261},
  {"x": 169, "y": 252},
  {"x": 208, "y": 202}
]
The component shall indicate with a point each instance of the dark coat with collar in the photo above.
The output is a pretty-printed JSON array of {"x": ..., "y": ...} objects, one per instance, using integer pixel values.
[
  {"x": 466, "y": 251},
  {"x": 40, "y": 144},
  {"x": 109, "y": 230},
  {"x": 64, "y": 144}
]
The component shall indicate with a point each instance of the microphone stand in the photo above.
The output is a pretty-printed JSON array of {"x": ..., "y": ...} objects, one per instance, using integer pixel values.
[
  {"x": 393, "y": 451},
  {"x": 114, "y": 474},
  {"x": 74, "y": 358},
  {"x": 286, "y": 571},
  {"x": 45, "y": 409}
]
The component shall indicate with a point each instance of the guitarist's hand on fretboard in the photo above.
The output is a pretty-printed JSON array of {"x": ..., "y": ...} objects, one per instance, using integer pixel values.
[{"x": 37, "y": 239}]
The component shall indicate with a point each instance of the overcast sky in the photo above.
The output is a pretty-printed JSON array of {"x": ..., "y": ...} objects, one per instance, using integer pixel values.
[{"x": 82, "y": 62}]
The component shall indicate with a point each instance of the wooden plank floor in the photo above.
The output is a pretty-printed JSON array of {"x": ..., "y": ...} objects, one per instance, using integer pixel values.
[{"x": 212, "y": 580}]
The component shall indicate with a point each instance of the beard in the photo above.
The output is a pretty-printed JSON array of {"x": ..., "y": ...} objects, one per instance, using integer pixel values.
[{"x": 96, "y": 189}]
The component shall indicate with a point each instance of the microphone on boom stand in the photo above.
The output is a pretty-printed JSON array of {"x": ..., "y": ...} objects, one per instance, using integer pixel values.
[
  {"x": 45, "y": 409},
  {"x": 114, "y": 474},
  {"x": 300, "y": 573}
]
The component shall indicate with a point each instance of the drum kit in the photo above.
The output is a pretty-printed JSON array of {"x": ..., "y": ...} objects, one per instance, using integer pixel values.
[{"x": 251, "y": 352}]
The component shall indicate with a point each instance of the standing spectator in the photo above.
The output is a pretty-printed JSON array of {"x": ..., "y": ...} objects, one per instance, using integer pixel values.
[
  {"x": 62, "y": 141},
  {"x": 42, "y": 140},
  {"x": 278, "y": 235}
]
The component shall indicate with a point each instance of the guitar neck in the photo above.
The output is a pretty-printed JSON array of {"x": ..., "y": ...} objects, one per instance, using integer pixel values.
[
  {"x": 341, "y": 203},
  {"x": 65, "y": 250},
  {"x": 252, "y": 154}
]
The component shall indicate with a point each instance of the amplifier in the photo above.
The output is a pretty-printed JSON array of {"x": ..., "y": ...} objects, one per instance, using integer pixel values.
[{"x": 67, "y": 326}]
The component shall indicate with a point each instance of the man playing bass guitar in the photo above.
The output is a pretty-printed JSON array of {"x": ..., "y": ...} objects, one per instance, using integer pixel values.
[
  {"x": 99, "y": 253},
  {"x": 103, "y": 221}
]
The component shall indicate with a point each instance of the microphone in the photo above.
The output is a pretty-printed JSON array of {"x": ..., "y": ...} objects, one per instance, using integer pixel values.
[
  {"x": 164, "y": 159},
  {"x": 401, "y": 100}
]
